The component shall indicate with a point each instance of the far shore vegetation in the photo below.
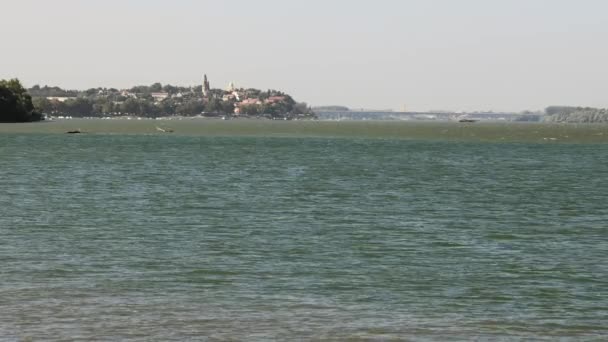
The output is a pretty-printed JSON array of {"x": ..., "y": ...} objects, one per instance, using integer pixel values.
[
  {"x": 567, "y": 114},
  {"x": 159, "y": 100},
  {"x": 18, "y": 104},
  {"x": 331, "y": 109}
]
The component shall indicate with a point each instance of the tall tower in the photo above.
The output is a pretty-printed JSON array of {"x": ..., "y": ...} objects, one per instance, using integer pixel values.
[{"x": 206, "y": 87}]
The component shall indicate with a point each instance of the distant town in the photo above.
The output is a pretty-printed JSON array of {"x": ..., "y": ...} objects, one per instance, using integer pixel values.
[{"x": 159, "y": 100}]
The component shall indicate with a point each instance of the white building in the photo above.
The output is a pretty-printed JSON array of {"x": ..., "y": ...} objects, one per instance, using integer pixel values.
[
  {"x": 59, "y": 98},
  {"x": 158, "y": 97}
]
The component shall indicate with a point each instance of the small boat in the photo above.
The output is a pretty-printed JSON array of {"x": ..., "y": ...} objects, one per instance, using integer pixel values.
[
  {"x": 164, "y": 130},
  {"x": 467, "y": 120},
  {"x": 76, "y": 131}
]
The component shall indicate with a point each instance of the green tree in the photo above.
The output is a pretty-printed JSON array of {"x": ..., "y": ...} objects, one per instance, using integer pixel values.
[
  {"x": 191, "y": 107},
  {"x": 156, "y": 87},
  {"x": 78, "y": 107},
  {"x": 167, "y": 107},
  {"x": 301, "y": 108},
  {"x": 213, "y": 106},
  {"x": 251, "y": 109},
  {"x": 108, "y": 108},
  {"x": 170, "y": 89},
  {"x": 227, "y": 107},
  {"x": 15, "y": 103},
  {"x": 43, "y": 105}
]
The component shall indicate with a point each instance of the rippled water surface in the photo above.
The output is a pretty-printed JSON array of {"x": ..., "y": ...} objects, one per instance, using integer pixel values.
[{"x": 177, "y": 237}]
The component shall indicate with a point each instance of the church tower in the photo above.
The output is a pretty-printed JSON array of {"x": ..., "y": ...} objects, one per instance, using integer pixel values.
[{"x": 206, "y": 87}]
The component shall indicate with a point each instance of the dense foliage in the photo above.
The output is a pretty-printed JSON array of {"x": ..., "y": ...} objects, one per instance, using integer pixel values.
[
  {"x": 157, "y": 100},
  {"x": 15, "y": 103},
  {"x": 576, "y": 114}
]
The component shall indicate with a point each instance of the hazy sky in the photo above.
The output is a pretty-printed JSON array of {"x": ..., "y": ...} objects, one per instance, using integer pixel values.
[{"x": 426, "y": 54}]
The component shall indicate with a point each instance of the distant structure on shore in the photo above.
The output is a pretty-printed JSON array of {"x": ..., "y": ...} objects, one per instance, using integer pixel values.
[
  {"x": 206, "y": 86},
  {"x": 159, "y": 100}
]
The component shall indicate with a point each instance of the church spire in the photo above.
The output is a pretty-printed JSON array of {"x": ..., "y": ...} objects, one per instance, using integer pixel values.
[{"x": 206, "y": 87}]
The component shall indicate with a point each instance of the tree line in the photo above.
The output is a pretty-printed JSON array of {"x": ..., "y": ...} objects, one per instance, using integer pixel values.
[{"x": 569, "y": 114}]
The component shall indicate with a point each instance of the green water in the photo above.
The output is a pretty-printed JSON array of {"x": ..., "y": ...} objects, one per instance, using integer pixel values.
[
  {"x": 411, "y": 130},
  {"x": 238, "y": 233}
]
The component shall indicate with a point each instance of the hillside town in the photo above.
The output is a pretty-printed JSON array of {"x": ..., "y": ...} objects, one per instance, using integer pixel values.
[{"x": 159, "y": 100}]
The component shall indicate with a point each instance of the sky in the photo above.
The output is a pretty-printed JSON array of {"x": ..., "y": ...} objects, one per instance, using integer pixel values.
[{"x": 462, "y": 55}]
